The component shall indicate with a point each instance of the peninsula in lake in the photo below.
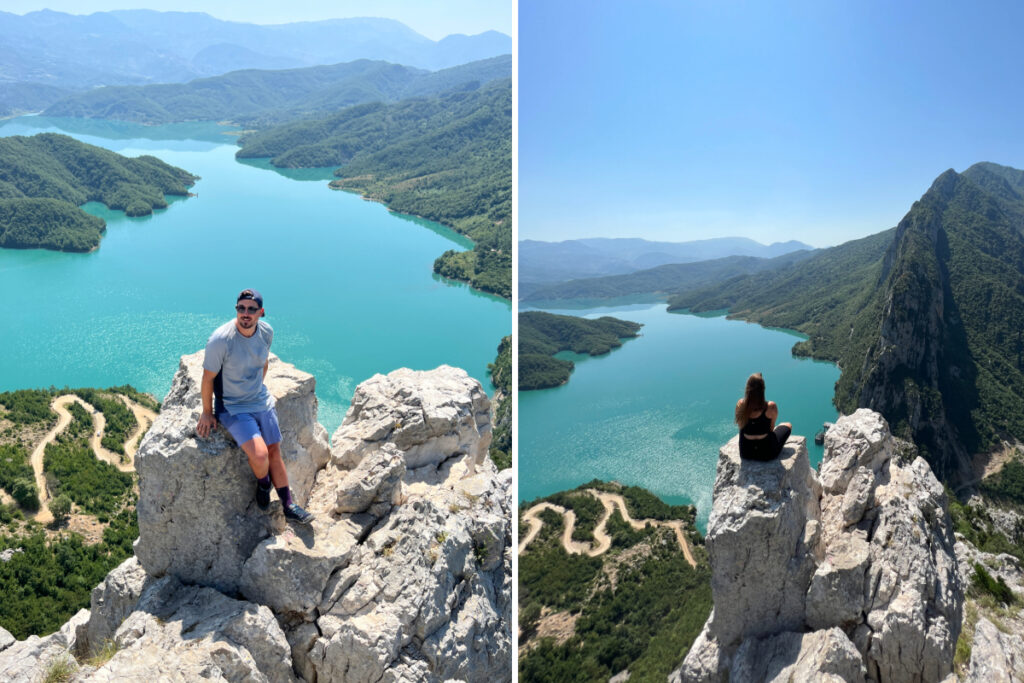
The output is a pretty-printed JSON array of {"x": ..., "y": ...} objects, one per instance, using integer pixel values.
[
  {"x": 542, "y": 335},
  {"x": 44, "y": 179}
]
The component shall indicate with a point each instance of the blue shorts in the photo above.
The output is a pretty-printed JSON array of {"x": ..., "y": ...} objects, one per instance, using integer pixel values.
[{"x": 247, "y": 426}]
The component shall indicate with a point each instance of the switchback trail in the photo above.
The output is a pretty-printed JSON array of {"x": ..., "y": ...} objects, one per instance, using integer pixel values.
[
  {"x": 59, "y": 405},
  {"x": 610, "y": 501}
]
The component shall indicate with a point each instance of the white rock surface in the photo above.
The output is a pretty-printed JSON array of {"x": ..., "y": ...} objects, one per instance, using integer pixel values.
[
  {"x": 996, "y": 657},
  {"x": 405, "y": 575},
  {"x": 870, "y": 547},
  {"x": 198, "y": 519}
]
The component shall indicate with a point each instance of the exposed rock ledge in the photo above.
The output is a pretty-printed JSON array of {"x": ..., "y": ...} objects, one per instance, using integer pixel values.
[
  {"x": 844, "y": 575},
  {"x": 404, "y": 576}
]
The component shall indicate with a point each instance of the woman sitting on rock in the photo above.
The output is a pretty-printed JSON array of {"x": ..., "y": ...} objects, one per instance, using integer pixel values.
[{"x": 760, "y": 439}]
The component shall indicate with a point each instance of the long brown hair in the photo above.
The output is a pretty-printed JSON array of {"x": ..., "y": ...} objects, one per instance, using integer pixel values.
[{"x": 753, "y": 399}]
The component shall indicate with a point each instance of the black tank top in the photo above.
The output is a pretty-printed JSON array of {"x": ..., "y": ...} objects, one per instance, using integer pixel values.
[{"x": 758, "y": 425}]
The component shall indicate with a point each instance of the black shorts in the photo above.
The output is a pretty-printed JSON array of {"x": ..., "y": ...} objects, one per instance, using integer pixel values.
[{"x": 767, "y": 448}]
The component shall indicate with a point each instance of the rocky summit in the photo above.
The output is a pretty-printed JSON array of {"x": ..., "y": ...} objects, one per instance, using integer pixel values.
[
  {"x": 405, "y": 574},
  {"x": 846, "y": 574}
]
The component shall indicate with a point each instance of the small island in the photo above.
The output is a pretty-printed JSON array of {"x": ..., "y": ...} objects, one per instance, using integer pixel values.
[
  {"x": 542, "y": 335},
  {"x": 45, "y": 178}
]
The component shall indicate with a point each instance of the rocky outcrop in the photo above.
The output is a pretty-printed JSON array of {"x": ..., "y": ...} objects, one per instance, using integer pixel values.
[
  {"x": 847, "y": 575},
  {"x": 405, "y": 574},
  {"x": 996, "y": 657}
]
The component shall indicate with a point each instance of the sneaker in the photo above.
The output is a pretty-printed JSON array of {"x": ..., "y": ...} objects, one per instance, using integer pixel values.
[
  {"x": 295, "y": 513},
  {"x": 262, "y": 496}
]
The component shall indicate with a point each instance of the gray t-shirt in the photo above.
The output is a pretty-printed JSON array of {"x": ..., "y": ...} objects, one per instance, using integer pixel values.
[{"x": 240, "y": 360}]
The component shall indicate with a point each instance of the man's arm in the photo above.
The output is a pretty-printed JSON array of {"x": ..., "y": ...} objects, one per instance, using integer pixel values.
[
  {"x": 265, "y": 366},
  {"x": 207, "y": 420}
]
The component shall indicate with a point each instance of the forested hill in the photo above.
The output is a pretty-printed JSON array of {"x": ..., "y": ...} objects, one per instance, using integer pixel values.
[
  {"x": 925, "y": 320},
  {"x": 45, "y": 178},
  {"x": 668, "y": 278},
  {"x": 446, "y": 158},
  {"x": 257, "y": 98},
  {"x": 542, "y": 335}
]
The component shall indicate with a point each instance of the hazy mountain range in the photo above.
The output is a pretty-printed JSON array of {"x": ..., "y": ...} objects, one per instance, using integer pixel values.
[
  {"x": 127, "y": 47},
  {"x": 553, "y": 262}
]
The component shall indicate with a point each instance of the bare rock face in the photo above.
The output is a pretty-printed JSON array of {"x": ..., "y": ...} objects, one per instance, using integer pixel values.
[
  {"x": 806, "y": 574},
  {"x": 198, "y": 519},
  {"x": 996, "y": 657},
  {"x": 405, "y": 574},
  {"x": 775, "y": 500}
]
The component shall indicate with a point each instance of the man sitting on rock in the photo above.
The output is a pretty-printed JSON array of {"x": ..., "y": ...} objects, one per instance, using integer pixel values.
[{"x": 237, "y": 357}]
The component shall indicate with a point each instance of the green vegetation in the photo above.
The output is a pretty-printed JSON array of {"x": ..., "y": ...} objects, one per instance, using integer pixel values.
[
  {"x": 637, "y": 607},
  {"x": 541, "y": 335},
  {"x": 1007, "y": 484},
  {"x": 120, "y": 420},
  {"x": 28, "y": 406},
  {"x": 983, "y": 582},
  {"x": 588, "y": 509},
  {"x": 256, "y": 98},
  {"x": 501, "y": 377},
  {"x": 60, "y": 508},
  {"x": 924, "y": 319},
  {"x": 17, "y": 477},
  {"x": 46, "y": 177},
  {"x": 47, "y": 582},
  {"x": 144, "y": 400},
  {"x": 445, "y": 158},
  {"x": 95, "y": 486},
  {"x": 975, "y": 524}
]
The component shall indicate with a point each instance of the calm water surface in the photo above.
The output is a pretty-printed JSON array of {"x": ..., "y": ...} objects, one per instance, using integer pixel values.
[
  {"x": 347, "y": 285},
  {"x": 654, "y": 412}
]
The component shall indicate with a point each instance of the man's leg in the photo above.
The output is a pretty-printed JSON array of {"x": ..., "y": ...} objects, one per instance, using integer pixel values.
[
  {"x": 259, "y": 457},
  {"x": 278, "y": 473}
]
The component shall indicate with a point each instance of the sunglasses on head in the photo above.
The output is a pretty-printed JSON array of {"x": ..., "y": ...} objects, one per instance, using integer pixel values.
[{"x": 246, "y": 309}]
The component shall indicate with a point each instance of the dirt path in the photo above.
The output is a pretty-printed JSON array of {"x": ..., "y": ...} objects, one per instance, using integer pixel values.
[
  {"x": 987, "y": 464},
  {"x": 59, "y": 405},
  {"x": 145, "y": 417},
  {"x": 603, "y": 541}
]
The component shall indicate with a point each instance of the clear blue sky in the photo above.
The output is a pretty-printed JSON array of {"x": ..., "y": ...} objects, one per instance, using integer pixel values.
[
  {"x": 817, "y": 121},
  {"x": 435, "y": 20}
]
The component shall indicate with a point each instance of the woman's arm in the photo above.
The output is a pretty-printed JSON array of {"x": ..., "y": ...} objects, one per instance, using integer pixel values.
[{"x": 773, "y": 413}]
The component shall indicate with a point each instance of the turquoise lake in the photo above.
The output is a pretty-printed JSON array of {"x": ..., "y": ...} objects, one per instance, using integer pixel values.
[
  {"x": 347, "y": 285},
  {"x": 654, "y": 412}
]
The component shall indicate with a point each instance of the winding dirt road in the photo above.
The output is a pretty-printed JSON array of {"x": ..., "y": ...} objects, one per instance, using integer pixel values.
[
  {"x": 143, "y": 416},
  {"x": 603, "y": 541}
]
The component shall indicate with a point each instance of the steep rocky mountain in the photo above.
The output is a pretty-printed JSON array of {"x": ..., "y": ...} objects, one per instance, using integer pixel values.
[
  {"x": 404, "y": 575},
  {"x": 925, "y": 320}
]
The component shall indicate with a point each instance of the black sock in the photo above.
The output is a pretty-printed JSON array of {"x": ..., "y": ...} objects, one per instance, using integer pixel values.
[
  {"x": 285, "y": 495},
  {"x": 265, "y": 482}
]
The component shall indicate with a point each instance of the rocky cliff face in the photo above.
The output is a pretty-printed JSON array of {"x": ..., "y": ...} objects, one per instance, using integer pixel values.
[
  {"x": 404, "y": 576},
  {"x": 846, "y": 575}
]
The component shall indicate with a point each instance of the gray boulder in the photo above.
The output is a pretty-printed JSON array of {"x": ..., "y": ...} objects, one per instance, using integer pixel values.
[
  {"x": 996, "y": 657},
  {"x": 198, "y": 519}
]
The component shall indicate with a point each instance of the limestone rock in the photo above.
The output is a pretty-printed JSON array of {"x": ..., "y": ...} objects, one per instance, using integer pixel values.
[
  {"x": 198, "y": 519},
  {"x": 759, "y": 587},
  {"x": 429, "y": 416},
  {"x": 872, "y": 547},
  {"x": 29, "y": 660},
  {"x": 111, "y": 601},
  {"x": 405, "y": 574},
  {"x": 186, "y": 633},
  {"x": 996, "y": 657},
  {"x": 6, "y": 639},
  {"x": 826, "y": 655}
]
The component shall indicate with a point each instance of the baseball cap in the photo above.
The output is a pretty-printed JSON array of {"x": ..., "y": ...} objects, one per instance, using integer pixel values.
[{"x": 251, "y": 294}]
